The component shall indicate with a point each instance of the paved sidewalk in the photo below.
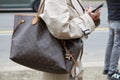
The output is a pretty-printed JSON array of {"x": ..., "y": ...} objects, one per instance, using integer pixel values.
[{"x": 90, "y": 73}]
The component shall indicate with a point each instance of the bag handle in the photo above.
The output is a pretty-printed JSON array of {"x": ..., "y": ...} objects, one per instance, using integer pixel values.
[{"x": 40, "y": 9}]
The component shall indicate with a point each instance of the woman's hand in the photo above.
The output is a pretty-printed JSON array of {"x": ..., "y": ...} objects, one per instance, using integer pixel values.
[{"x": 95, "y": 16}]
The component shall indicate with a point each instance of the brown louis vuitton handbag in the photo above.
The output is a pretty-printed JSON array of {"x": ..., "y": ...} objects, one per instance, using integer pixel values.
[{"x": 33, "y": 46}]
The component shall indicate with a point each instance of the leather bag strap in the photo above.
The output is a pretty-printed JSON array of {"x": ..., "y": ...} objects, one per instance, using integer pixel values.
[{"x": 40, "y": 10}]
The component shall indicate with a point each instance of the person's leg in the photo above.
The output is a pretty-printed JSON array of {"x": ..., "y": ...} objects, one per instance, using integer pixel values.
[
  {"x": 113, "y": 73},
  {"x": 108, "y": 51},
  {"x": 115, "y": 52}
]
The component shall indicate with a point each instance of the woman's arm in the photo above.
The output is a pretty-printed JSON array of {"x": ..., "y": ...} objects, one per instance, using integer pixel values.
[{"x": 60, "y": 23}]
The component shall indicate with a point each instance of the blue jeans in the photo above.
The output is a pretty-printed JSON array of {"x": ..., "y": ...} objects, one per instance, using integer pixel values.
[{"x": 113, "y": 47}]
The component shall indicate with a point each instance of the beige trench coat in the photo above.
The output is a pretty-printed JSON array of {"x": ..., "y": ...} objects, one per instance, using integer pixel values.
[{"x": 65, "y": 19}]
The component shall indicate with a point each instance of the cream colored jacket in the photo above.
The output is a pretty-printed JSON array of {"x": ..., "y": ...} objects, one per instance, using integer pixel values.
[{"x": 66, "y": 19}]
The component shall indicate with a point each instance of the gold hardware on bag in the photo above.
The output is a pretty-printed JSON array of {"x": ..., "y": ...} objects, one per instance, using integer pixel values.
[{"x": 67, "y": 56}]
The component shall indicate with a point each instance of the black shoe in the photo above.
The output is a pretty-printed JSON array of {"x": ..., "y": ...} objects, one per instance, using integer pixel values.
[
  {"x": 114, "y": 76},
  {"x": 105, "y": 72}
]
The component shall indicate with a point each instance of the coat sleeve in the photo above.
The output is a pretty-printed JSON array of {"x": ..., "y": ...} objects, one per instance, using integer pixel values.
[{"x": 61, "y": 25}]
